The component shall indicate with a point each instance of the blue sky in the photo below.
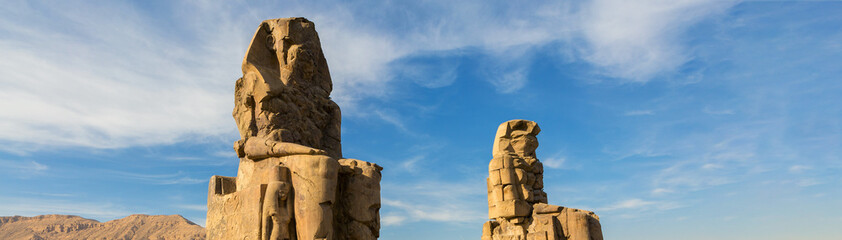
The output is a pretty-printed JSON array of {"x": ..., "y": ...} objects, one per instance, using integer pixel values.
[{"x": 670, "y": 119}]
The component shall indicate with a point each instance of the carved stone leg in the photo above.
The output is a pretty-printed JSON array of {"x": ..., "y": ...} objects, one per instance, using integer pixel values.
[{"x": 314, "y": 179}]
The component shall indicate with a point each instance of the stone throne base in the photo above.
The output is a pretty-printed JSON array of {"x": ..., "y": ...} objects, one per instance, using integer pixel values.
[
  {"x": 547, "y": 222},
  {"x": 327, "y": 199}
]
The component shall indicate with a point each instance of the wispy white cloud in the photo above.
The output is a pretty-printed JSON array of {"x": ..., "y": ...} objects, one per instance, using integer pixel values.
[
  {"x": 808, "y": 182},
  {"x": 218, "y": 158},
  {"x": 429, "y": 212},
  {"x": 411, "y": 164},
  {"x": 554, "y": 162},
  {"x": 511, "y": 81},
  {"x": 183, "y": 158},
  {"x": 119, "y": 77},
  {"x": 392, "y": 118},
  {"x": 639, "y": 112},
  {"x": 392, "y": 220},
  {"x": 430, "y": 74},
  {"x": 661, "y": 191},
  {"x": 635, "y": 207},
  {"x": 111, "y": 81},
  {"x": 799, "y": 168},
  {"x": 358, "y": 54},
  {"x": 37, "y": 206},
  {"x": 710, "y": 111},
  {"x": 59, "y": 195},
  {"x": 23, "y": 168},
  {"x": 193, "y": 207},
  {"x": 436, "y": 201},
  {"x": 627, "y": 204},
  {"x": 231, "y": 154},
  {"x": 644, "y": 150},
  {"x": 712, "y": 166},
  {"x": 641, "y": 39},
  {"x": 161, "y": 179},
  {"x": 690, "y": 176},
  {"x": 695, "y": 161}
]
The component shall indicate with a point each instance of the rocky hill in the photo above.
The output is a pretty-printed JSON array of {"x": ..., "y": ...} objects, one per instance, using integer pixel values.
[{"x": 60, "y": 227}]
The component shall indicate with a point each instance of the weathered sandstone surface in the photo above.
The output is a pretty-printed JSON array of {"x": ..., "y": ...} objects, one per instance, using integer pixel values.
[
  {"x": 65, "y": 227},
  {"x": 517, "y": 202}
]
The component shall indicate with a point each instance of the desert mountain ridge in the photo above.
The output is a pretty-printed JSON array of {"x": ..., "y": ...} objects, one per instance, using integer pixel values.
[{"x": 65, "y": 227}]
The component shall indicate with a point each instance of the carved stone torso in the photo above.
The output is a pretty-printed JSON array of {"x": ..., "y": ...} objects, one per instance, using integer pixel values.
[{"x": 285, "y": 88}]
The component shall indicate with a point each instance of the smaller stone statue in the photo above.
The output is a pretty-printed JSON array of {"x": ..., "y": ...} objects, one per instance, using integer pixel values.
[
  {"x": 277, "y": 207},
  {"x": 517, "y": 202},
  {"x": 276, "y": 211}
]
